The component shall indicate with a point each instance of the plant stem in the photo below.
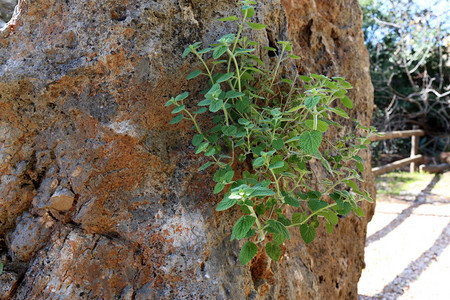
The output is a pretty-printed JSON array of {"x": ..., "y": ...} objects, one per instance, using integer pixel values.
[
  {"x": 262, "y": 236},
  {"x": 194, "y": 121},
  {"x": 313, "y": 214}
]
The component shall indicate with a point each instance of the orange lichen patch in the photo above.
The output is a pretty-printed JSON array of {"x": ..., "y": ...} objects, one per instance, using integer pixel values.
[
  {"x": 260, "y": 266},
  {"x": 129, "y": 33},
  {"x": 115, "y": 61},
  {"x": 263, "y": 290},
  {"x": 248, "y": 290}
]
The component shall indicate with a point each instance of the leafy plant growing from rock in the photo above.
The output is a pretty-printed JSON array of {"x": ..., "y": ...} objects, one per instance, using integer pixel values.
[{"x": 276, "y": 130}]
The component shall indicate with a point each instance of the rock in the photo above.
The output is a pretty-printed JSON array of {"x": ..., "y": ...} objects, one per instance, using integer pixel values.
[
  {"x": 82, "y": 92},
  {"x": 8, "y": 282},
  {"x": 30, "y": 235},
  {"x": 62, "y": 200}
]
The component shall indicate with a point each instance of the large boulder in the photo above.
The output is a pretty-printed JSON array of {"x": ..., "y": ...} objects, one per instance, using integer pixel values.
[{"x": 101, "y": 199}]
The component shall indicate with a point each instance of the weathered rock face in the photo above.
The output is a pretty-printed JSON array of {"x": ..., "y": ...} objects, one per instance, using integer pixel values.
[
  {"x": 6, "y": 10},
  {"x": 101, "y": 198}
]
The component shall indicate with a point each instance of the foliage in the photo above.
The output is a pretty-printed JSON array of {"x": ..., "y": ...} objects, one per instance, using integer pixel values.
[
  {"x": 275, "y": 130},
  {"x": 409, "y": 67}
]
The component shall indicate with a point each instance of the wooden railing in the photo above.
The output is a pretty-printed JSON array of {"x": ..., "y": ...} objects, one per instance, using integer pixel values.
[{"x": 412, "y": 160}]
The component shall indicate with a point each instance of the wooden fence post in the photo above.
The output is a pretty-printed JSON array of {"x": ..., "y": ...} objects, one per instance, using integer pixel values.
[{"x": 414, "y": 150}]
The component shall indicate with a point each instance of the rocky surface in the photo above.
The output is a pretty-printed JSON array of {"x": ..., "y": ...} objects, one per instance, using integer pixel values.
[
  {"x": 6, "y": 10},
  {"x": 101, "y": 198}
]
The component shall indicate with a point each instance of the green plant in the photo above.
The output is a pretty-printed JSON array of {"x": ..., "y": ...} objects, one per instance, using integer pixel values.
[{"x": 276, "y": 130}]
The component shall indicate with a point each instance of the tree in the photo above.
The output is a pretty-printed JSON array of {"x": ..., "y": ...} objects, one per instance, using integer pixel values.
[{"x": 408, "y": 46}]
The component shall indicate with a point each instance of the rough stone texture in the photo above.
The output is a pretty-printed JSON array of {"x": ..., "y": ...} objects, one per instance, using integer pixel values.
[
  {"x": 6, "y": 10},
  {"x": 82, "y": 89}
]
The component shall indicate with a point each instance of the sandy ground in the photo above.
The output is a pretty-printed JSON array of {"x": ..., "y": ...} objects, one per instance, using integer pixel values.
[{"x": 407, "y": 250}]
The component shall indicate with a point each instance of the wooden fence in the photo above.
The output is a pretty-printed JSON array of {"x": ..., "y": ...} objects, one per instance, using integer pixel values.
[{"x": 412, "y": 160}]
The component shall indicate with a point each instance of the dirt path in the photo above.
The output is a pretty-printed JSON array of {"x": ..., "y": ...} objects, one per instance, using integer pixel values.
[{"x": 407, "y": 249}]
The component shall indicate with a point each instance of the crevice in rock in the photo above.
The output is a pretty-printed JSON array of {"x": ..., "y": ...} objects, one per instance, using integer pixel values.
[
  {"x": 306, "y": 33},
  {"x": 272, "y": 43}
]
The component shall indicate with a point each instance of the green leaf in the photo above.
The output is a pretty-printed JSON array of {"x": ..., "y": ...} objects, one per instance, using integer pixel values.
[
  {"x": 316, "y": 204},
  {"x": 277, "y": 227},
  {"x": 215, "y": 105},
  {"x": 219, "y": 187},
  {"x": 352, "y": 184},
  {"x": 259, "y": 162},
  {"x": 204, "y": 50},
  {"x": 278, "y": 239},
  {"x": 229, "y": 130},
  {"x": 220, "y": 173},
  {"x": 1, "y": 268},
  {"x": 295, "y": 138},
  {"x": 318, "y": 77},
  {"x": 228, "y": 177},
  {"x": 186, "y": 51},
  {"x": 227, "y": 38},
  {"x": 226, "y": 203},
  {"x": 219, "y": 51},
  {"x": 230, "y": 18},
  {"x": 256, "y": 26},
  {"x": 178, "y": 109},
  {"x": 330, "y": 215},
  {"x": 224, "y": 77},
  {"x": 204, "y": 166},
  {"x": 314, "y": 195},
  {"x": 310, "y": 141},
  {"x": 193, "y": 74},
  {"x": 197, "y": 139},
  {"x": 298, "y": 217},
  {"x": 294, "y": 56},
  {"x": 169, "y": 102},
  {"x": 358, "y": 211},
  {"x": 278, "y": 144},
  {"x": 289, "y": 200},
  {"x": 202, "y": 147},
  {"x": 326, "y": 164},
  {"x": 242, "y": 226},
  {"x": 346, "y": 102},
  {"x": 270, "y": 49},
  {"x": 205, "y": 102},
  {"x": 308, "y": 233},
  {"x": 248, "y": 251},
  {"x": 233, "y": 94},
  {"x": 243, "y": 121},
  {"x": 339, "y": 111},
  {"x": 276, "y": 165},
  {"x": 248, "y": 11},
  {"x": 311, "y": 102},
  {"x": 210, "y": 152},
  {"x": 260, "y": 191},
  {"x": 200, "y": 110},
  {"x": 182, "y": 96},
  {"x": 305, "y": 78},
  {"x": 321, "y": 125},
  {"x": 243, "y": 105},
  {"x": 176, "y": 119},
  {"x": 273, "y": 251},
  {"x": 329, "y": 227},
  {"x": 345, "y": 84},
  {"x": 360, "y": 166}
]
